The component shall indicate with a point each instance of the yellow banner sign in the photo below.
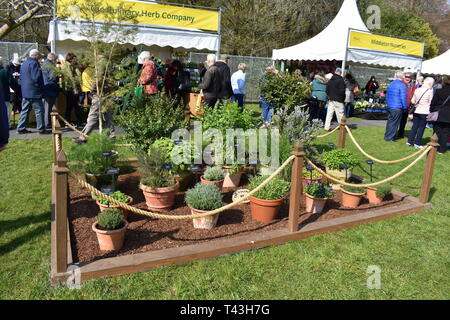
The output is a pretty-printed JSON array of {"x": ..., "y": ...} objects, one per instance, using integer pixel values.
[
  {"x": 142, "y": 13},
  {"x": 377, "y": 42}
]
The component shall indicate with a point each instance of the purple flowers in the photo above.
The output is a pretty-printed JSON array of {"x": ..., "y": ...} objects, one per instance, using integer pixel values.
[{"x": 320, "y": 190}]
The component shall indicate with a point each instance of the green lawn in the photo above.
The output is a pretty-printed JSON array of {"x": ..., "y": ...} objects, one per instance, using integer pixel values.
[{"x": 411, "y": 251}]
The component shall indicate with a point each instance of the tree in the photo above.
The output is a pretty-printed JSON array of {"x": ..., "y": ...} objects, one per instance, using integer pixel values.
[{"x": 15, "y": 13}]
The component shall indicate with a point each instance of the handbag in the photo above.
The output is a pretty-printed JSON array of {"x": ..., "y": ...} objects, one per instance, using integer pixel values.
[
  {"x": 413, "y": 108},
  {"x": 434, "y": 116},
  {"x": 138, "y": 90},
  {"x": 356, "y": 90}
]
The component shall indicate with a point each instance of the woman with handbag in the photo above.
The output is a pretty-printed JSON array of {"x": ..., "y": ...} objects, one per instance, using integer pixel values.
[
  {"x": 419, "y": 111},
  {"x": 351, "y": 90},
  {"x": 440, "y": 114}
]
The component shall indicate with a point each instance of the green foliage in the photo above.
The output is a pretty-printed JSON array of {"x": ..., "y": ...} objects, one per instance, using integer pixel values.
[
  {"x": 320, "y": 190},
  {"x": 88, "y": 157},
  {"x": 110, "y": 219},
  {"x": 384, "y": 190},
  {"x": 183, "y": 155},
  {"x": 214, "y": 174},
  {"x": 406, "y": 24},
  {"x": 285, "y": 90},
  {"x": 336, "y": 158},
  {"x": 153, "y": 174},
  {"x": 228, "y": 117},
  {"x": 119, "y": 196},
  {"x": 151, "y": 118},
  {"x": 165, "y": 147},
  {"x": 205, "y": 197},
  {"x": 294, "y": 125},
  {"x": 274, "y": 190},
  {"x": 314, "y": 174},
  {"x": 354, "y": 189}
]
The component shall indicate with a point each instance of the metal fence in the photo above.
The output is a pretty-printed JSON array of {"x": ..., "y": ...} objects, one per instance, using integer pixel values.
[
  {"x": 8, "y": 49},
  {"x": 254, "y": 72}
]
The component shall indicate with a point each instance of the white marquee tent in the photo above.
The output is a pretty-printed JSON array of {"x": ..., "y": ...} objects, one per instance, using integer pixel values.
[
  {"x": 331, "y": 44},
  {"x": 439, "y": 65}
]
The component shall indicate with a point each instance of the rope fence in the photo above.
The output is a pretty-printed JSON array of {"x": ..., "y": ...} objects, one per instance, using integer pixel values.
[
  {"x": 378, "y": 160},
  {"x": 400, "y": 173},
  {"x": 184, "y": 217},
  {"x": 329, "y": 133}
]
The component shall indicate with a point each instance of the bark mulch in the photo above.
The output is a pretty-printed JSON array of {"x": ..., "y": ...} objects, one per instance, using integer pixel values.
[{"x": 147, "y": 234}]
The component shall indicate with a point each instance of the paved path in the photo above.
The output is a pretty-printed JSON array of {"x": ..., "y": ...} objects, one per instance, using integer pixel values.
[{"x": 119, "y": 131}]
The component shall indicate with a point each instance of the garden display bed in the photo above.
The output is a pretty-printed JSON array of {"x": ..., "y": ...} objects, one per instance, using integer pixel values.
[{"x": 151, "y": 243}]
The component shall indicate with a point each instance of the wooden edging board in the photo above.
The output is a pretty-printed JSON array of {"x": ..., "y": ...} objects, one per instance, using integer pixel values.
[{"x": 149, "y": 260}]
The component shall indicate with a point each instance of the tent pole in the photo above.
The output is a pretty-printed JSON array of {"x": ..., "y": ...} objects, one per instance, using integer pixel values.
[{"x": 344, "y": 63}]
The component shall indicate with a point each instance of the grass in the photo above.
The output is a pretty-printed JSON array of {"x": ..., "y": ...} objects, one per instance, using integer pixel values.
[{"x": 411, "y": 251}]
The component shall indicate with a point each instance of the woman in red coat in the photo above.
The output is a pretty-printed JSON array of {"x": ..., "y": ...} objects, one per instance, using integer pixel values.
[{"x": 149, "y": 74}]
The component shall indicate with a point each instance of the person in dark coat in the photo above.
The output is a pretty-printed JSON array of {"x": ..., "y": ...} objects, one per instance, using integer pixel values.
[
  {"x": 441, "y": 103},
  {"x": 211, "y": 82},
  {"x": 226, "y": 90},
  {"x": 4, "y": 123},
  {"x": 372, "y": 86},
  {"x": 16, "y": 97},
  {"x": 51, "y": 87},
  {"x": 32, "y": 83},
  {"x": 336, "y": 97}
]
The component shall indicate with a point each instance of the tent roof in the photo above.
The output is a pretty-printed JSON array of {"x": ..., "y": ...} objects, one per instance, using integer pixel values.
[
  {"x": 331, "y": 43},
  {"x": 438, "y": 65}
]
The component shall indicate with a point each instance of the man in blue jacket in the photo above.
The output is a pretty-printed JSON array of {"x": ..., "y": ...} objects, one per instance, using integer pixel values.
[
  {"x": 51, "y": 87},
  {"x": 396, "y": 103},
  {"x": 32, "y": 83}
]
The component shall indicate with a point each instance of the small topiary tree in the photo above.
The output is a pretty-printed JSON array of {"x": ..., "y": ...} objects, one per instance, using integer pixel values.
[
  {"x": 205, "y": 197},
  {"x": 214, "y": 174}
]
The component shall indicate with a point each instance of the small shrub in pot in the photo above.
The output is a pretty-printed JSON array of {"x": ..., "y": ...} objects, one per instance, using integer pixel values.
[
  {"x": 110, "y": 229},
  {"x": 214, "y": 175},
  {"x": 119, "y": 196},
  {"x": 334, "y": 161},
  {"x": 376, "y": 195},
  {"x": 351, "y": 196},
  {"x": 317, "y": 195},
  {"x": 203, "y": 198}
]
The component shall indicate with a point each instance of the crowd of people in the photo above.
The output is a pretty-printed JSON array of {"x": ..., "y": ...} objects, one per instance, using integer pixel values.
[{"x": 417, "y": 101}]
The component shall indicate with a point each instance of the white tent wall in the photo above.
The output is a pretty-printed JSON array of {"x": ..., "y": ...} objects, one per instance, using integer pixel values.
[{"x": 439, "y": 65}]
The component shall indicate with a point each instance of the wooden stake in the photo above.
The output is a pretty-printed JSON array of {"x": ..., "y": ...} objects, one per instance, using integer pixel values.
[
  {"x": 342, "y": 133},
  {"x": 429, "y": 168},
  {"x": 296, "y": 187},
  {"x": 61, "y": 209}
]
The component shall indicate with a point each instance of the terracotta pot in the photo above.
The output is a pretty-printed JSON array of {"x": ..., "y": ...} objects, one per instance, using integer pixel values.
[
  {"x": 339, "y": 174},
  {"x": 219, "y": 184},
  {"x": 110, "y": 240},
  {"x": 161, "y": 199},
  {"x": 307, "y": 181},
  {"x": 232, "y": 180},
  {"x": 124, "y": 211},
  {"x": 351, "y": 200},
  {"x": 315, "y": 205},
  {"x": 264, "y": 210},
  {"x": 372, "y": 196},
  {"x": 206, "y": 223}
]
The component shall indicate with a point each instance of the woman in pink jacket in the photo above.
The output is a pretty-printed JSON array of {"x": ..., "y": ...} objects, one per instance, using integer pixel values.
[
  {"x": 149, "y": 74},
  {"x": 421, "y": 100}
]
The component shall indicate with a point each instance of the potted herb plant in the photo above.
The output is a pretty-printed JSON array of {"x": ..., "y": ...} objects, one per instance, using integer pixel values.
[
  {"x": 310, "y": 177},
  {"x": 376, "y": 195},
  {"x": 336, "y": 159},
  {"x": 233, "y": 175},
  {"x": 213, "y": 175},
  {"x": 119, "y": 196},
  {"x": 110, "y": 228},
  {"x": 203, "y": 198},
  {"x": 158, "y": 185},
  {"x": 351, "y": 196},
  {"x": 266, "y": 203},
  {"x": 317, "y": 195},
  {"x": 94, "y": 158}
]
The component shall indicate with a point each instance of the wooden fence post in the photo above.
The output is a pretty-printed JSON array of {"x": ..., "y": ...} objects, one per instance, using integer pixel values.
[
  {"x": 56, "y": 133},
  {"x": 429, "y": 168},
  {"x": 296, "y": 186},
  {"x": 342, "y": 133},
  {"x": 61, "y": 173}
]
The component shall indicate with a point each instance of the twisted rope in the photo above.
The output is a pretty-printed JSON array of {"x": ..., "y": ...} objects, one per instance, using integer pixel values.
[
  {"x": 329, "y": 133},
  {"x": 58, "y": 142},
  {"x": 185, "y": 217},
  {"x": 72, "y": 127},
  {"x": 378, "y": 160},
  {"x": 372, "y": 184}
]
